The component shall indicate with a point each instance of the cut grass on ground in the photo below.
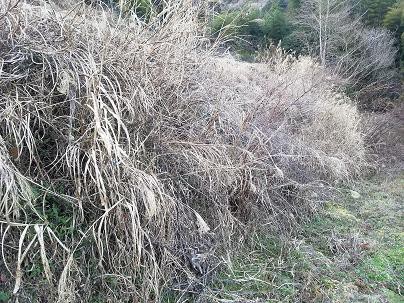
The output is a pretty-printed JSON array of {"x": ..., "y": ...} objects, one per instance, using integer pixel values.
[{"x": 353, "y": 251}]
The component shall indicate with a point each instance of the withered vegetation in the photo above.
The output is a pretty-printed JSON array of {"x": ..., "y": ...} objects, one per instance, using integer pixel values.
[{"x": 132, "y": 155}]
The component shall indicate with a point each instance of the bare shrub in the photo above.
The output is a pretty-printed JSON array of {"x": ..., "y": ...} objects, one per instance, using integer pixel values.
[
  {"x": 296, "y": 106},
  {"x": 384, "y": 136},
  {"x": 129, "y": 153},
  {"x": 364, "y": 57}
]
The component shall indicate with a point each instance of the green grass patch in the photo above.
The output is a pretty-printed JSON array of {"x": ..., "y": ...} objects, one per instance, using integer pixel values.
[
  {"x": 260, "y": 272},
  {"x": 385, "y": 266},
  {"x": 4, "y": 296},
  {"x": 280, "y": 271}
]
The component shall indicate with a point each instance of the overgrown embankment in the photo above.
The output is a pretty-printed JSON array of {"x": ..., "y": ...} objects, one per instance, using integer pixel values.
[{"x": 132, "y": 156}]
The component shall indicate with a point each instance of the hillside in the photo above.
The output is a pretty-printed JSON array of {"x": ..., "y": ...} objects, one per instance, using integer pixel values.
[{"x": 140, "y": 161}]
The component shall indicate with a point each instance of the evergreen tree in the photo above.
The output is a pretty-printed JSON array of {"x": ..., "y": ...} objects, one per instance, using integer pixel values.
[
  {"x": 276, "y": 26},
  {"x": 375, "y": 10},
  {"x": 394, "y": 18},
  {"x": 394, "y": 21}
]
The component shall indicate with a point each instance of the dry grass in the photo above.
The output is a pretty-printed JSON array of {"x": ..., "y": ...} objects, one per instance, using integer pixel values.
[
  {"x": 385, "y": 137},
  {"x": 129, "y": 153}
]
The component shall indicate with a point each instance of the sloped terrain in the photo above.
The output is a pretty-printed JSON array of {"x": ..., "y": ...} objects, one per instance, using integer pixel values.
[
  {"x": 133, "y": 156},
  {"x": 352, "y": 251}
]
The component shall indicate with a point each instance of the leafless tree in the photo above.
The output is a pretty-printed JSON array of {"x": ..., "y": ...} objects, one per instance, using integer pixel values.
[
  {"x": 364, "y": 57},
  {"x": 367, "y": 62},
  {"x": 320, "y": 22}
]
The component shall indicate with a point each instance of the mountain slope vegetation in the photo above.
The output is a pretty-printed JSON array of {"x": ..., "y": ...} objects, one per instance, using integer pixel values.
[{"x": 135, "y": 153}]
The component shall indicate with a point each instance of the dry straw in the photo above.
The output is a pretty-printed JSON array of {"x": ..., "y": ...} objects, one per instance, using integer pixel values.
[{"x": 130, "y": 154}]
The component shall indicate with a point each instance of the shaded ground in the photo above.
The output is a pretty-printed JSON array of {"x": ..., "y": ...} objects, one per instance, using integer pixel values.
[{"x": 353, "y": 251}]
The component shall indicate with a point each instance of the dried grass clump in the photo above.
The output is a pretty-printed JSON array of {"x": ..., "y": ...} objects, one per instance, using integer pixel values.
[
  {"x": 129, "y": 153},
  {"x": 296, "y": 106},
  {"x": 385, "y": 137}
]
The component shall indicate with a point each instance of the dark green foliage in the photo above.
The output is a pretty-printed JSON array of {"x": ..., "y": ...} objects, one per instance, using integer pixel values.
[
  {"x": 394, "y": 21},
  {"x": 4, "y": 296},
  {"x": 253, "y": 27},
  {"x": 237, "y": 23},
  {"x": 402, "y": 53},
  {"x": 294, "y": 4},
  {"x": 54, "y": 210},
  {"x": 36, "y": 271},
  {"x": 251, "y": 24},
  {"x": 394, "y": 18},
  {"x": 275, "y": 26},
  {"x": 283, "y": 4},
  {"x": 142, "y": 8},
  {"x": 375, "y": 10},
  {"x": 59, "y": 216}
]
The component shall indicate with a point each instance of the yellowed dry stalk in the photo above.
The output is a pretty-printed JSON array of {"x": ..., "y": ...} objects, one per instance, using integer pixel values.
[{"x": 162, "y": 151}]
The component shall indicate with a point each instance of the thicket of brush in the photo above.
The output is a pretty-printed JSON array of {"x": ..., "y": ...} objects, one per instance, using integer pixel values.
[{"x": 131, "y": 157}]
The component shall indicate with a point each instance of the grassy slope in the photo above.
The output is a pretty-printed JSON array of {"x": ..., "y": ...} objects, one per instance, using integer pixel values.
[{"x": 353, "y": 251}]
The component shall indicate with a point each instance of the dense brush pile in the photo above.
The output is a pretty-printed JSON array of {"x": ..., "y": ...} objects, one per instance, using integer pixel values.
[{"x": 130, "y": 156}]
